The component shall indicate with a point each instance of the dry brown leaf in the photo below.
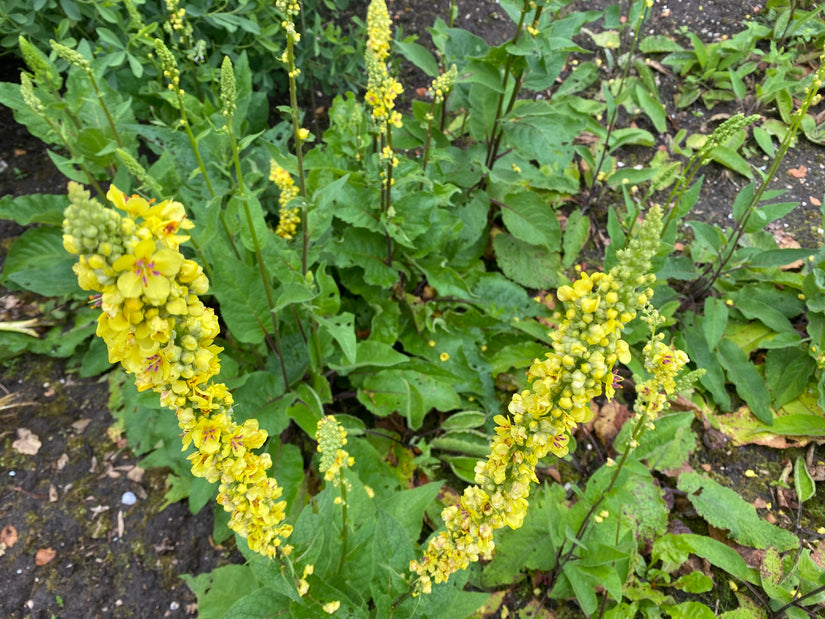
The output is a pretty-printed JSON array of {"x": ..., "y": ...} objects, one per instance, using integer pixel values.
[
  {"x": 815, "y": 201},
  {"x": 760, "y": 503},
  {"x": 27, "y": 443},
  {"x": 612, "y": 416},
  {"x": 818, "y": 555},
  {"x": 44, "y": 556},
  {"x": 8, "y": 536},
  {"x": 62, "y": 461},
  {"x": 799, "y": 172},
  {"x": 80, "y": 425},
  {"x": 136, "y": 474}
]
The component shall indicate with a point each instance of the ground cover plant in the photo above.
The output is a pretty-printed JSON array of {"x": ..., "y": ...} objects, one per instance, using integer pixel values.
[{"x": 384, "y": 342}]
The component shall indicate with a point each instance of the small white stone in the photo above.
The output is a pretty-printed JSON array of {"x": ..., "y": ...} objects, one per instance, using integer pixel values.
[{"x": 128, "y": 498}]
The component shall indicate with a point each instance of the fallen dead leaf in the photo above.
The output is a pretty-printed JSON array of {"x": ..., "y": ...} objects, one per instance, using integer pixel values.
[
  {"x": 760, "y": 503},
  {"x": 799, "y": 172},
  {"x": 818, "y": 555},
  {"x": 815, "y": 201},
  {"x": 62, "y": 461},
  {"x": 44, "y": 556},
  {"x": 20, "y": 152},
  {"x": 27, "y": 443},
  {"x": 80, "y": 425},
  {"x": 612, "y": 416},
  {"x": 135, "y": 474},
  {"x": 8, "y": 536},
  {"x": 707, "y": 468}
]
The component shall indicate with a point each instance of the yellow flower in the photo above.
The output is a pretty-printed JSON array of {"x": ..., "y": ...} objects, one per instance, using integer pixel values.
[{"x": 147, "y": 272}]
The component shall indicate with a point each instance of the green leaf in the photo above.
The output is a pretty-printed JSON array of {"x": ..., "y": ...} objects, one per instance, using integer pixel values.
[
  {"x": 575, "y": 236},
  {"x": 731, "y": 159},
  {"x": 367, "y": 250},
  {"x": 714, "y": 378},
  {"x": 525, "y": 264},
  {"x": 531, "y": 219},
  {"x": 716, "y": 319},
  {"x": 464, "y": 442},
  {"x": 38, "y": 262},
  {"x": 341, "y": 328},
  {"x": 652, "y": 107},
  {"x": 749, "y": 384},
  {"x": 659, "y": 44},
  {"x": 695, "y": 582},
  {"x": 674, "y": 550},
  {"x": 258, "y": 235},
  {"x": 690, "y": 610},
  {"x": 802, "y": 480},
  {"x": 725, "y": 509},
  {"x": 796, "y": 424},
  {"x": 244, "y": 308},
  {"x": 464, "y": 420},
  {"x": 293, "y": 293},
  {"x": 221, "y": 588},
  {"x": 419, "y": 56},
  {"x": 787, "y": 373},
  {"x": 763, "y": 138},
  {"x": 38, "y": 208},
  {"x": 630, "y": 137},
  {"x": 408, "y": 506},
  {"x": 755, "y": 309}
]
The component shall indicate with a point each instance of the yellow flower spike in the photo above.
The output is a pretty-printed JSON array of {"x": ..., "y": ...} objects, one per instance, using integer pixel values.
[
  {"x": 154, "y": 324},
  {"x": 578, "y": 368}
]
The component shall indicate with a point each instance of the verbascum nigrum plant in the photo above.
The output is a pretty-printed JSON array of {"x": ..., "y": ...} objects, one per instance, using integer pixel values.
[
  {"x": 581, "y": 366},
  {"x": 155, "y": 325}
]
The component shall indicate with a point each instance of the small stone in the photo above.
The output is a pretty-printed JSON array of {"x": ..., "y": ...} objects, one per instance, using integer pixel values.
[{"x": 128, "y": 498}]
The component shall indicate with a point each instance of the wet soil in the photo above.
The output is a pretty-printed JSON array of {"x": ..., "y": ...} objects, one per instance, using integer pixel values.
[{"x": 74, "y": 549}]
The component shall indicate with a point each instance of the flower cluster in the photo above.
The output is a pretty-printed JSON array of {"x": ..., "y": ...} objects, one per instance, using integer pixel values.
[
  {"x": 585, "y": 349},
  {"x": 290, "y": 8},
  {"x": 443, "y": 84},
  {"x": 155, "y": 325},
  {"x": 382, "y": 89},
  {"x": 288, "y": 218},
  {"x": 331, "y": 437}
]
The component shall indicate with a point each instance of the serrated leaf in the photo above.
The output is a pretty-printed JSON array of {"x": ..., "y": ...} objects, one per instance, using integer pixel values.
[
  {"x": 716, "y": 319},
  {"x": 38, "y": 208},
  {"x": 802, "y": 480},
  {"x": 530, "y": 219},
  {"x": 575, "y": 236},
  {"x": 525, "y": 264},
  {"x": 725, "y": 509},
  {"x": 38, "y": 262},
  {"x": 341, "y": 328},
  {"x": 419, "y": 56},
  {"x": 244, "y": 308},
  {"x": 749, "y": 384}
]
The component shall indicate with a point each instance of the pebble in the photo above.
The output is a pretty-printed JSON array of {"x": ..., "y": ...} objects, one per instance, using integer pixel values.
[{"x": 128, "y": 498}]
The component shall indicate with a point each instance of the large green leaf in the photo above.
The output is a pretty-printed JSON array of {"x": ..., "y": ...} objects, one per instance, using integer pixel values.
[
  {"x": 244, "y": 308},
  {"x": 38, "y": 262},
  {"x": 531, "y": 219},
  {"x": 725, "y": 509},
  {"x": 528, "y": 265},
  {"x": 749, "y": 384},
  {"x": 38, "y": 208}
]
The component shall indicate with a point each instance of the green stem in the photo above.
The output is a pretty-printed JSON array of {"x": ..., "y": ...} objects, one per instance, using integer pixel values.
[
  {"x": 258, "y": 255},
  {"x": 739, "y": 228},
  {"x": 495, "y": 137},
  {"x": 105, "y": 109},
  {"x": 299, "y": 154},
  {"x": 67, "y": 145},
  {"x": 431, "y": 117},
  {"x": 194, "y": 143},
  {"x": 344, "y": 530},
  {"x": 611, "y": 124}
]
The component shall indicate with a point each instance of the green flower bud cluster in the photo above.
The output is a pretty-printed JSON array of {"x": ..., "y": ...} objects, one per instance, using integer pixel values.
[
  {"x": 27, "y": 92},
  {"x": 71, "y": 56},
  {"x": 724, "y": 132},
  {"x": 36, "y": 61},
  {"x": 89, "y": 228},
  {"x": 228, "y": 92}
]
